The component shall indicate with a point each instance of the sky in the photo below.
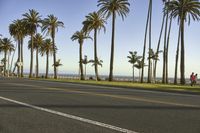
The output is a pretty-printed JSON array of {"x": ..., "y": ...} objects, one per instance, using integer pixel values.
[{"x": 129, "y": 35}]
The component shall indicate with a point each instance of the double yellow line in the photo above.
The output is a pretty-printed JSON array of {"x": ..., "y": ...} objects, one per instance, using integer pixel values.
[{"x": 132, "y": 98}]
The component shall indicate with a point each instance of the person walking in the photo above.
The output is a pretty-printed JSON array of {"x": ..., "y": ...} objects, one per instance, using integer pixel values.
[
  {"x": 192, "y": 78},
  {"x": 195, "y": 79}
]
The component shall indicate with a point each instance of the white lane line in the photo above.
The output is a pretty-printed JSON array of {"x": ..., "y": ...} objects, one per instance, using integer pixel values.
[
  {"x": 96, "y": 123},
  {"x": 121, "y": 88}
]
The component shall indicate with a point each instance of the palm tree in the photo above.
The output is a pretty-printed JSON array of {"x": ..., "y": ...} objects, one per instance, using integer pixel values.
[
  {"x": 97, "y": 62},
  {"x": 32, "y": 20},
  {"x": 50, "y": 25},
  {"x": 13, "y": 29},
  {"x": 113, "y": 8},
  {"x": 17, "y": 29},
  {"x": 177, "y": 57},
  {"x": 165, "y": 46},
  {"x": 6, "y": 46},
  {"x": 38, "y": 41},
  {"x": 57, "y": 64},
  {"x": 133, "y": 59},
  {"x": 155, "y": 57},
  {"x": 139, "y": 65},
  {"x": 85, "y": 62},
  {"x": 94, "y": 21},
  {"x": 149, "y": 67},
  {"x": 47, "y": 48},
  {"x": 80, "y": 36},
  {"x": 183, "y": 10},
  {"x": 159, "y": 40},
  {"x": 145, "y": 38}
]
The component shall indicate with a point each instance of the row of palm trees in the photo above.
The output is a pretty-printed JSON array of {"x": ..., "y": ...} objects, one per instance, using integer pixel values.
[
  {"x": 181, "y": 9},
  {"x": 96, "y": 21},
  {"x": 28, "y": 26}
]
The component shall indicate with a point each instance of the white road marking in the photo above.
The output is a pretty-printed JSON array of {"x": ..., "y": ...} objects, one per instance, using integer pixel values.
[{"x": 96, "y": 123}]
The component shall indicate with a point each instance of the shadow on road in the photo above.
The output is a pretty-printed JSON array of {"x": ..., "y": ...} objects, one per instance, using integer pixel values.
[{"x": 104, "y": 107}]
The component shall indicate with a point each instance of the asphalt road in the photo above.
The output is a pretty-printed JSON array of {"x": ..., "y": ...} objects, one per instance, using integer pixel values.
[{"x": 28, "y": 106}]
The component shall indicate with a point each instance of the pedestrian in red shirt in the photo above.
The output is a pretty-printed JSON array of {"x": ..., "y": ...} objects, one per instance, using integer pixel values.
[{"x": 192, "y": 78}]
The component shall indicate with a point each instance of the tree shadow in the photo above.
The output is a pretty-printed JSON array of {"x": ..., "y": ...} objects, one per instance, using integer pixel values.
[{"x": 117, "y": 107}]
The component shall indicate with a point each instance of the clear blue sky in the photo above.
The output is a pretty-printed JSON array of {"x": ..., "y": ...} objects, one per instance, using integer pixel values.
[{"x": 129, "y": 34}]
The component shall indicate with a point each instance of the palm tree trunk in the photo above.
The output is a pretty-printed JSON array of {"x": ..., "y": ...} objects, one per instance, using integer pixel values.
[
  {"x": 8, "y": 62},
  {"x": 47, "y": 64},
  {"x": 167, "y": 49},
  {"x": 149, "y": 68},
  {"x": 31, "y": 62},
  {"x": 80, "y": 61},
  {"x": 22, "y": 59},
  {"x": 37, "y": 64},
  {"x": 85, "y": 72},
  {"x": 133, "y": 74},
  {"x": 13, "y": 58},
  {"x": 139, "y": 75},
  {"x": 18, "y": 60},
  {"x": 5, "y": 58},
  {"x": 95, "y": 55},
  {"x": 145, "y": 41},
  {"x": 177, "y": 56},
  {"x": 54, "y": 54},
  {"x": 164, "y": 50},
  {"x": 112, "y": 47},
  {"x": 158, "y": 46},
  {"x": 182, "y": 53}
]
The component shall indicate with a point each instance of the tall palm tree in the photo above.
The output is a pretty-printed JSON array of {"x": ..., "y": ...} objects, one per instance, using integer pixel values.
[
  {"x": 38, "y": 41},
  {"x": 177, "y": 57},
  {"x": 80, "y": 36},
  {"x": 51, "y": 25},
  {"x": 159, "y": 40},
  {"x": 145, "y": 39},
  {"x": 149, "y": 64},
  {"x": 47, "y": 48},
  {"x": 113, "y": 8},
  {"x": 32, "y": 20},
  {"x": 17, "y": 29},
  {"x": 133, "y": 59},
  {"x": 166, "y": 40},
  {"x": 94, "y": 21},
  {"x": 184, "y": 10},
  {"x": 6, "y": 46},
  {"x": 167, "y": 48}
]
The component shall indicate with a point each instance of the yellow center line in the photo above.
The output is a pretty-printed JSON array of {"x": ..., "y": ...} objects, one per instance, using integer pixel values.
[{"x": 133, "y": 98}]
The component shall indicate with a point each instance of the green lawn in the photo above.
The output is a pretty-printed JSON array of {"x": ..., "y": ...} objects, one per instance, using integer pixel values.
[{"x": 171, "y": 87}]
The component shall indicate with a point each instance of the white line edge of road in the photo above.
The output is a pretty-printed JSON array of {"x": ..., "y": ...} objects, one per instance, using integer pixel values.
[
  {"x": 96, "y": 123},
  {"x": 120, "y": 88}
]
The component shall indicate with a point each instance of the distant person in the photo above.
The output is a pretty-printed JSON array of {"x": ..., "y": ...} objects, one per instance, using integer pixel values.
[
  {"x": 195, "y": 79},
  {"x": 192, "y": 78}
]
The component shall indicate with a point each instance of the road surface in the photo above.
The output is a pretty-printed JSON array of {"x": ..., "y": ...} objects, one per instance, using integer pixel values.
[{"x": 30, "y": 106}]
